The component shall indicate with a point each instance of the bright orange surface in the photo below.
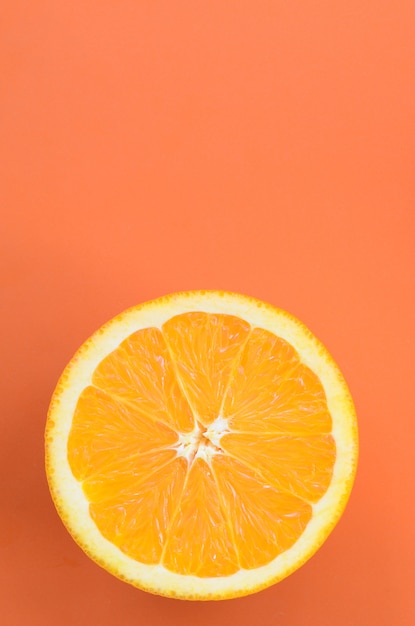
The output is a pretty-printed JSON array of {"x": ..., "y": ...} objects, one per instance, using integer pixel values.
[{"x": 265, "y": 148}]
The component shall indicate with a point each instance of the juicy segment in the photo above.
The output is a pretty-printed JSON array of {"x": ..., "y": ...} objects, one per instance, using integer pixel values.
[{"x": 247, "y": 501}]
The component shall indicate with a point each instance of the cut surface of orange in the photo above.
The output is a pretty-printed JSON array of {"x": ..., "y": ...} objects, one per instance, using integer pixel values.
[{"x": 201, "y": 446}]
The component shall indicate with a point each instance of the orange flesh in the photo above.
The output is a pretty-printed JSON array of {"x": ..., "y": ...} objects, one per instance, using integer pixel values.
[{"x": 246, "y": 501}]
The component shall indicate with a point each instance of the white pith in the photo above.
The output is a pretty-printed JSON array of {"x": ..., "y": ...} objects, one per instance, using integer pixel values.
[{"x": 202, "y": 442}]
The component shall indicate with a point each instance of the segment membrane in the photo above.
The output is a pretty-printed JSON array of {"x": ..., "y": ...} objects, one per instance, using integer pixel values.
[
  {"x": 300, "y": 466},
  {"x": 200, "y": 540},
  {"x": 265, "y": 522},
  {"x": 141, "y": 373},
  {"x": 271, "y": 391},
  {"x": 204, "y": 348},
  {"x": 137, "y": 520},
  {"x": 105, "y": 431},
  {"x": 125, "y": 476}
]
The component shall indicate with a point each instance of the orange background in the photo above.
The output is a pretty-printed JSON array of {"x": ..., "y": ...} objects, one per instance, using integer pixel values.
[{"x": 265, "y": 147}]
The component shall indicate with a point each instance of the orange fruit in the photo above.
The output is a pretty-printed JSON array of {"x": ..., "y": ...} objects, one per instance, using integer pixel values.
[{"x": 201, "y": 446}]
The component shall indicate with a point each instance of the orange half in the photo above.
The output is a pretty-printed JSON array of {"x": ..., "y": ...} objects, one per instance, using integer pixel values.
[{"x": 201, "y": 446}]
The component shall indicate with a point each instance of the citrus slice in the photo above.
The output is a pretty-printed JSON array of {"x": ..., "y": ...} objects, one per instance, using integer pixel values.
[{"x": 201, "y": 446}]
